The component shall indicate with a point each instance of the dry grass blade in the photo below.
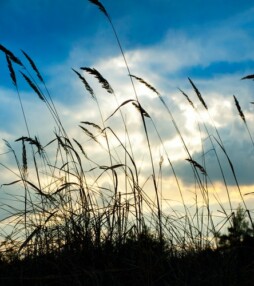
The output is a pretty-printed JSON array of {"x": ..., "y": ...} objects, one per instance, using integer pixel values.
[
  {"x": 88, "y": 133},
  {"x": 122, "y": 104},
  {"x": 233, "y": 172},
  {"x": 187, "y": 97},
  {"x": 33, "y": 86},
  {"x": 24, "y": 157},
  {"x": 112, "y": 167},
  {"x": 243, "y": 118},
  {"x": 100, "y": 78},
  {"x": 92, "y": 124},
  {"x": 198, "y": 94},
  {"x": 12, "y": 183},
  {"x": 100, "y": 6},
  {"x": 21, "y": 138},
  {"x": 12, "y": 73},
  {"x": 60, "y": 141},
  {"x": 81, "y": 148},
  {"x": 145, "y": 83},
  {"x": 141, "y": 109},
  {"x": 11, "y": 55},
  {"x": 33, "y": 233},
  {"x": 87, "y": 86},
  {"x": 39, "y": 191},
  {"x": 33, "y": 66},
  {"x": 239, "y": 109},
  {"x": 251, "y": 76},
  {"x": 251, "y": 193},
  {"x": 197, "y": 165},
  {"x": 65, "y": 186},
  {"x": 32, "y": 141}
]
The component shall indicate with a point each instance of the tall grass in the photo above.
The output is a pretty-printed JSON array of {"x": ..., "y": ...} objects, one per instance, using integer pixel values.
[{"x": 74, "y": 208}]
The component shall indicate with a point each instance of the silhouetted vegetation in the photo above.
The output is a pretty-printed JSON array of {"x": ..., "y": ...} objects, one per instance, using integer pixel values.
[
  {"x": 76, "y": 221},
  {"x": 239, "y": 233}
]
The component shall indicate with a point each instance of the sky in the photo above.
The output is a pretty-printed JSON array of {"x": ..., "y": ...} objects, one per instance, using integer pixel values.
[{"x": 165, "y": 43}]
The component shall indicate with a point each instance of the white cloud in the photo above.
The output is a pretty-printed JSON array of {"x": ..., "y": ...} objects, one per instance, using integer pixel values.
[{"x": 159, "y": 65}]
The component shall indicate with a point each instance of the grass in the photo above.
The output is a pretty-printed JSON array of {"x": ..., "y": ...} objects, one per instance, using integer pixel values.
[{"x": 80, "y": 221}]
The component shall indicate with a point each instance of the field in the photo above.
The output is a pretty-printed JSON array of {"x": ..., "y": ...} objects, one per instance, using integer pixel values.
[{"x": 101, "y": 209}]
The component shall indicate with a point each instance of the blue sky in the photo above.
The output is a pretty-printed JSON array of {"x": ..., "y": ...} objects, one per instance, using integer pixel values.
[
  {"x": 51, "y": 28},
  {"x": 165, "y": 41}
]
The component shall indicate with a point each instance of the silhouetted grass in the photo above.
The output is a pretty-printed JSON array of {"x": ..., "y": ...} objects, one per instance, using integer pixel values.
[{"x": 67, "y": 227}]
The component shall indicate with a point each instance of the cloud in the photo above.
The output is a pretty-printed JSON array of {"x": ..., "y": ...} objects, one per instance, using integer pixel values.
[{"x": 165, "y": 65}]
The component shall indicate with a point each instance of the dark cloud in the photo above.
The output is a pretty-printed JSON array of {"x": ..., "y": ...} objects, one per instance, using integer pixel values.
[{"x": 241, "y": 155}]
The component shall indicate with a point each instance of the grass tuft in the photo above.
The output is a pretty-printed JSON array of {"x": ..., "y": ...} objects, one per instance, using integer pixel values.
[{"x": 99, "y": 209}]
